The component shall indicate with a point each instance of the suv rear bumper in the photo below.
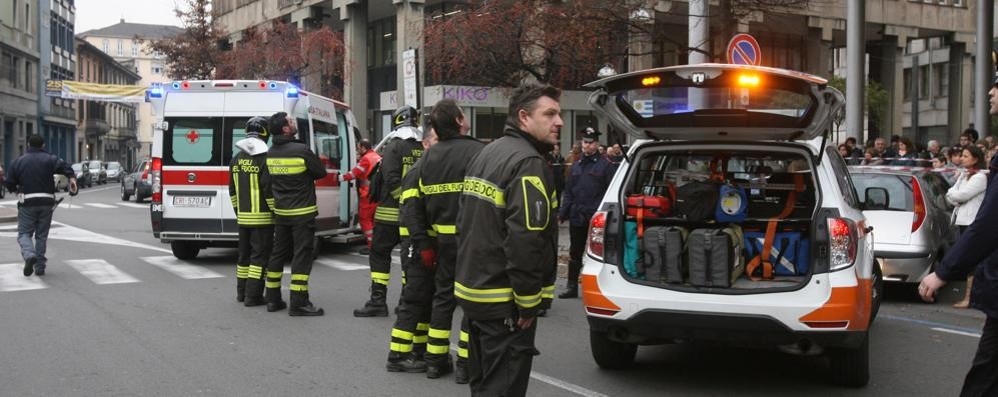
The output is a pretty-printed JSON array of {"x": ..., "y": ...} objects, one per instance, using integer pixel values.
[{"x": 665, "y": 326}]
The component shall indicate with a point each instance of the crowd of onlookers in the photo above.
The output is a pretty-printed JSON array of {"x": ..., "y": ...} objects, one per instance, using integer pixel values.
[{"x": 903, "y": 152}]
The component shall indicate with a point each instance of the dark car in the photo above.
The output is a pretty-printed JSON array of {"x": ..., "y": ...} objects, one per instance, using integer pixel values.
[
  {"x": 83, "y": 176},
  {"x": 97, "y": 171},
  {"x": 138, "y": 182}
]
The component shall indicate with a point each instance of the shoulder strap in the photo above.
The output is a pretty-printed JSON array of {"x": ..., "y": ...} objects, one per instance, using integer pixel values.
[{"x": 762, "y": 259}]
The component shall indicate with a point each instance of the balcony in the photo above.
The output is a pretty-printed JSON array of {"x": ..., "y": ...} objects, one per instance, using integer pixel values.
[{"x": 95, "y": 127}]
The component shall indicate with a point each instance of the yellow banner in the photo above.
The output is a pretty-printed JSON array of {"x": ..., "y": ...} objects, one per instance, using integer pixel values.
[{"x": 97, "y": 92}]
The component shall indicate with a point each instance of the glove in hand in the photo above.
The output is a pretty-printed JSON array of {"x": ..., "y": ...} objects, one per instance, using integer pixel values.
[{"x": 429, "y": 258}]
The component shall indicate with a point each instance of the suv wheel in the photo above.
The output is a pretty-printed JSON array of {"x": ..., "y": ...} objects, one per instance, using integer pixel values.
[
  {"x": 851, "y": 367},
  {"x": 184, "y": 249},
  {"x": 124, "y": 193},
  {"x": 610, "y": 354},
  {"x": 877, "y": 290},
  {"x": 138, "y": 196}
]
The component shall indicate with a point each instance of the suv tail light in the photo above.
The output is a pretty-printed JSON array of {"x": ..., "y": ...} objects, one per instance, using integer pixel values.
[
  {"x": 919, "y": 206},
  {"x": 597, "y": 234},
  {"x": 156, "y": 173},
  {"x": 843, "y": 239}
]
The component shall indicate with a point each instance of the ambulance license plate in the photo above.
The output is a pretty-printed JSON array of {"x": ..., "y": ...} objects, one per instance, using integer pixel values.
[{"x": 192, "y": 201}]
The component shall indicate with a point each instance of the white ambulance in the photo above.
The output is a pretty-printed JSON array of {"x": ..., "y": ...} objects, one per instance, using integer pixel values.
[{"x": 197, "y": 124}]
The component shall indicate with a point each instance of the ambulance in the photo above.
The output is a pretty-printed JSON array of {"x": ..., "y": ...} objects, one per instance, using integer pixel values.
[{"x": 195, "y": 128}]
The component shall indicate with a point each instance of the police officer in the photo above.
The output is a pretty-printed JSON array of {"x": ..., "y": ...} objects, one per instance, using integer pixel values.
[
  {"x": 588, "y": 180},
  {"x": 507, "y": 243},
  {"x": 398, "y": 155},
  {"x": 430, "y": 214},
  {"x": 293, "y": 169},
  {"x": 252, "y": 200},
  {"x": 362, "y": 173},
  {"x": 31, "y": 177}
]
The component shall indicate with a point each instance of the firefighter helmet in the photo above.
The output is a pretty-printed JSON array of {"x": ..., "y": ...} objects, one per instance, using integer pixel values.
[
  {"x": 406, "y": 115},
  {"x": 257, "y": 126}
]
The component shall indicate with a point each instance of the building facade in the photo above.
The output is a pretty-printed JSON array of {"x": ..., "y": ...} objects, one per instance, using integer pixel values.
[
  {"x": 18, "y": 71},
  {"x": 126, "y": 42},
  {"x": 108, "y": 130},
  {"x": 57, "y": 61}
]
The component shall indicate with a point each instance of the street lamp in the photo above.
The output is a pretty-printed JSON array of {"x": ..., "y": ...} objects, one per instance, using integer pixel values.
[{"x": 606, "y": 71}]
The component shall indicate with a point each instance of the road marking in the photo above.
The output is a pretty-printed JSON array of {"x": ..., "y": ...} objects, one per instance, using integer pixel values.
[
  {"x": 933, "y": 325},
  {"x": 11, "y": 279},
  {"x": 340, "y": 265},
  {"x": 180, "y": 268},
  {"x": 574, "y": 388},
  {"x": 101, "y": 272},
  {"x": 100, "y": 205},
  {"x": 952, "y": 331},
  {"x": 62, "y": 231},
  {"x": 134, "y": 205},
  {"x": 68, "y": 205}
]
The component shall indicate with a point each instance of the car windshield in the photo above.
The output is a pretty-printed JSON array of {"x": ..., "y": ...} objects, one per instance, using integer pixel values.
[
  {"x": 899, "y": 197},
  {"x": 77, "y": 167},
  {"x": 94, "y": 164},
  {"x": 113, "y": 166}
]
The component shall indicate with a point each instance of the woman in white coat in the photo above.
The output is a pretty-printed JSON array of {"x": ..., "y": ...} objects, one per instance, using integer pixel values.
[{"x": 966, "y": 196}]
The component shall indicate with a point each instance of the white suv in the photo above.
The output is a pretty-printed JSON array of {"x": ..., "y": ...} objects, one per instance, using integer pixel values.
[{"x": 760, "y": 136}]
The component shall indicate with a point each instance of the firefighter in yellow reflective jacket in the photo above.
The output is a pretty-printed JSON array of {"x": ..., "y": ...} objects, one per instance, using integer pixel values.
[
  {"x": 293, "y": 170},
  {"x": 397, "y": 156},
  {"x": 507, "y": 243},
  {"x": 252, "y": 200}
]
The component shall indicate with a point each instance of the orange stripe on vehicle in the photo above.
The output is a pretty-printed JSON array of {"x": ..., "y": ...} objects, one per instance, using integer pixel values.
[
  {"x": 850, "y": 304},
  {"x": 592, "y": 296},
  {"x": 201, "y": 177}
]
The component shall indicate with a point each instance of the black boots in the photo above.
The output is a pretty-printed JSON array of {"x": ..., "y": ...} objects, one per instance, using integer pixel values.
[
  {"x": 438, "y": 365},
  {"x": 461, "y": 375},
  {"x": 300, "y": 306},
  {"x": 376, "y": 307},
  {"x": 274, "y": 302},
  {"x": 572, "y": 291},
  {"x": 404, "y": 362},
  {"x": 253, "y": 292}
]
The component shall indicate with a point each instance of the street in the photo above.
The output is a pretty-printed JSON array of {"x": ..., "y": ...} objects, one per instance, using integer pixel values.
[{"x": 117, "y": 314}]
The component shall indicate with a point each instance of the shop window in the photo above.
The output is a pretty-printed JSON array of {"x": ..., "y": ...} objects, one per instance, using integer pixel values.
[{"x": 489, "y": 124}]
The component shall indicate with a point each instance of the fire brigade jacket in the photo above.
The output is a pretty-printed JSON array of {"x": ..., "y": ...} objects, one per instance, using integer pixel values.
[
  {"x": 293, "y": 171},
  {"x": 31, "y": 176},
  {"x": 397, "y": 157},
  {"x": 249, "y": 184},
  {"x": 441, "y": 180},
  {"x": 507, "y": 234},
  {"x": 362, "y": 173}
]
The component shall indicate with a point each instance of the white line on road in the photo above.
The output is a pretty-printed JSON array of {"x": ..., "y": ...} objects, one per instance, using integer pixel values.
[
  {"x": 953, "y": 331},
  {"x": 134, "y": 205},
  {"x": 180, "y": 268},
  {"x": 574, "y": 388},
  {"x": 340, "y": 265},
  {"x": 11, "y": 278},
  {"x": 100, "y": 205},
  {"x": 101, "y": 272}
]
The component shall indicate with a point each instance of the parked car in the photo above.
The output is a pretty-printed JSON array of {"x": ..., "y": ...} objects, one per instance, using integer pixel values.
[
  {"x": 911, "y": 225},
  {"x": 98, "y": 172},
  {"x": 753, "y": 138},
  {"x": 137, "y": 183},
  {"x": 83, "y": 176},
  {"x": 114, "y": 171}
]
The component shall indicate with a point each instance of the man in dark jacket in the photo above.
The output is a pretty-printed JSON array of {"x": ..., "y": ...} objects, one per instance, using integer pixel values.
[
  {"x": 293, "y": 170},
  {"x": 31, "y": 177},
  {"x": 975, "y": 248},
  {"x": 588, "y": 180},
  {"x": 252, "y": 200},
  {"x": 507, "y": 243}
]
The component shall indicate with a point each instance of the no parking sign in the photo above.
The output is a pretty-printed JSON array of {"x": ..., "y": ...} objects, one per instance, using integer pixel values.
[{"x": 743, "y": 49}]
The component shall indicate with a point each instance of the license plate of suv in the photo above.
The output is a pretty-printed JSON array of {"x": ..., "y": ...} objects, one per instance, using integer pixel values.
[{"x": 192, "y": 201}]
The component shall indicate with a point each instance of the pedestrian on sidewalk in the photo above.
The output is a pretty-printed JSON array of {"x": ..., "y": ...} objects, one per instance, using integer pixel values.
[
  {"x": 31, "y": 177},
  {"x": 966, "y": 195}
]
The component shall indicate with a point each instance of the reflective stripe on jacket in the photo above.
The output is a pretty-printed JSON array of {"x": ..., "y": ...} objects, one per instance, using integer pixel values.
[
  {"x": 293, "y": 170},
  {"x": 397, "y": 157},
  {"x": 249, "y": 190},
  {"x": 440, "y": 184},
  {"x": 507, "y": 234}
]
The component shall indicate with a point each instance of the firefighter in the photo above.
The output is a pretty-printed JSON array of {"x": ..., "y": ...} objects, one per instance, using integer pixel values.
[
  {"x": 362, "y": 173},
  {"x": 409, "y": 334},
  {"x": 293, "y": 168},
  {"x": 398, "y": 155},
  {"x": 252, "y": 200},
  {"x": 507, "y": 245}
]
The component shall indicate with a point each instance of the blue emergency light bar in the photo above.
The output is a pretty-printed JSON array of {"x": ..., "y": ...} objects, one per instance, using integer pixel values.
[
  {"x": 291, "y": 91},
  {"x": 156, "y": 91}
]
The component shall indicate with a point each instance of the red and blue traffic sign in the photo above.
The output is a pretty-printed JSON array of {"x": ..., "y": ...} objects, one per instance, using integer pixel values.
[{"x": 743, "y": 49}]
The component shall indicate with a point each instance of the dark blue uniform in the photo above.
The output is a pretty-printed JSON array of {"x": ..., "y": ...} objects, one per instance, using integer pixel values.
[{"x": 588, "y": 180}]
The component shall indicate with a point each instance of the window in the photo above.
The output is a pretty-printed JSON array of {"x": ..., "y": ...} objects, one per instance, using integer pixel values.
[
  {"x": 907, "y": 85},
  {"x": 13, "y": 75},
  {"x": 923, "y": 82},
  {"x": 192, "y": 140},
  {"x": 29, "y": 77},
  {"x": 135, "y": 49},
  {"x": 941, "y": 79},
  {"x": 327, "y": 144},
  {"x": 489, "y": 123},
  {"x": 121, "y": 48},
  {"x": 156, "y": 68},
  {"x": 106, "y": 46}
]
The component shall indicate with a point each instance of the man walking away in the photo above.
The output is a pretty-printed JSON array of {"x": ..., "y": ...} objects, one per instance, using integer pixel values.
[
  {"x": 975, "y": 248},
  {"x": 293, "y": 170},
  {"x": 507, "y": 243},
  {"x": 588, "y": 180},
  {"x": 362, "y": 174},
  {"x": 31, "y": 177},
  {"x": 252, "y": 200}
]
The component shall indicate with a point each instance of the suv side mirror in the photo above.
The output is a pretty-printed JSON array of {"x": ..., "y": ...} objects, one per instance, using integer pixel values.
[{"x": 877, "y": 198}]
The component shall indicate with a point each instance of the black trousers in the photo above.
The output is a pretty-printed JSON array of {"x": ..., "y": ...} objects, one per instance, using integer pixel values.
[
  {"x": 500, "y": 359},
  {"x": 414, "y": 308},
  {"x": 255, "y": 246},
  {"x": 294, "y": 243},
  {"x": 982, "y": 379},
  {"x": 444, "y": 303},
  {"x": 386, "y": 237},
  {"x": 577, "y": 239}
]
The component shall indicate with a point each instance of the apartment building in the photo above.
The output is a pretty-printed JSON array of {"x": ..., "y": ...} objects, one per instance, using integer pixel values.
[{"x": 18, "y": 77}]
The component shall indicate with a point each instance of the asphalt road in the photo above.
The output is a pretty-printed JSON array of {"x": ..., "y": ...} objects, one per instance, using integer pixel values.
[{"x": 117, "y": 315}]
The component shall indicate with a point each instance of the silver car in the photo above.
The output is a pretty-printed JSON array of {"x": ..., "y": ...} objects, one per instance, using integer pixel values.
[{"x": 911, "y": 225}]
